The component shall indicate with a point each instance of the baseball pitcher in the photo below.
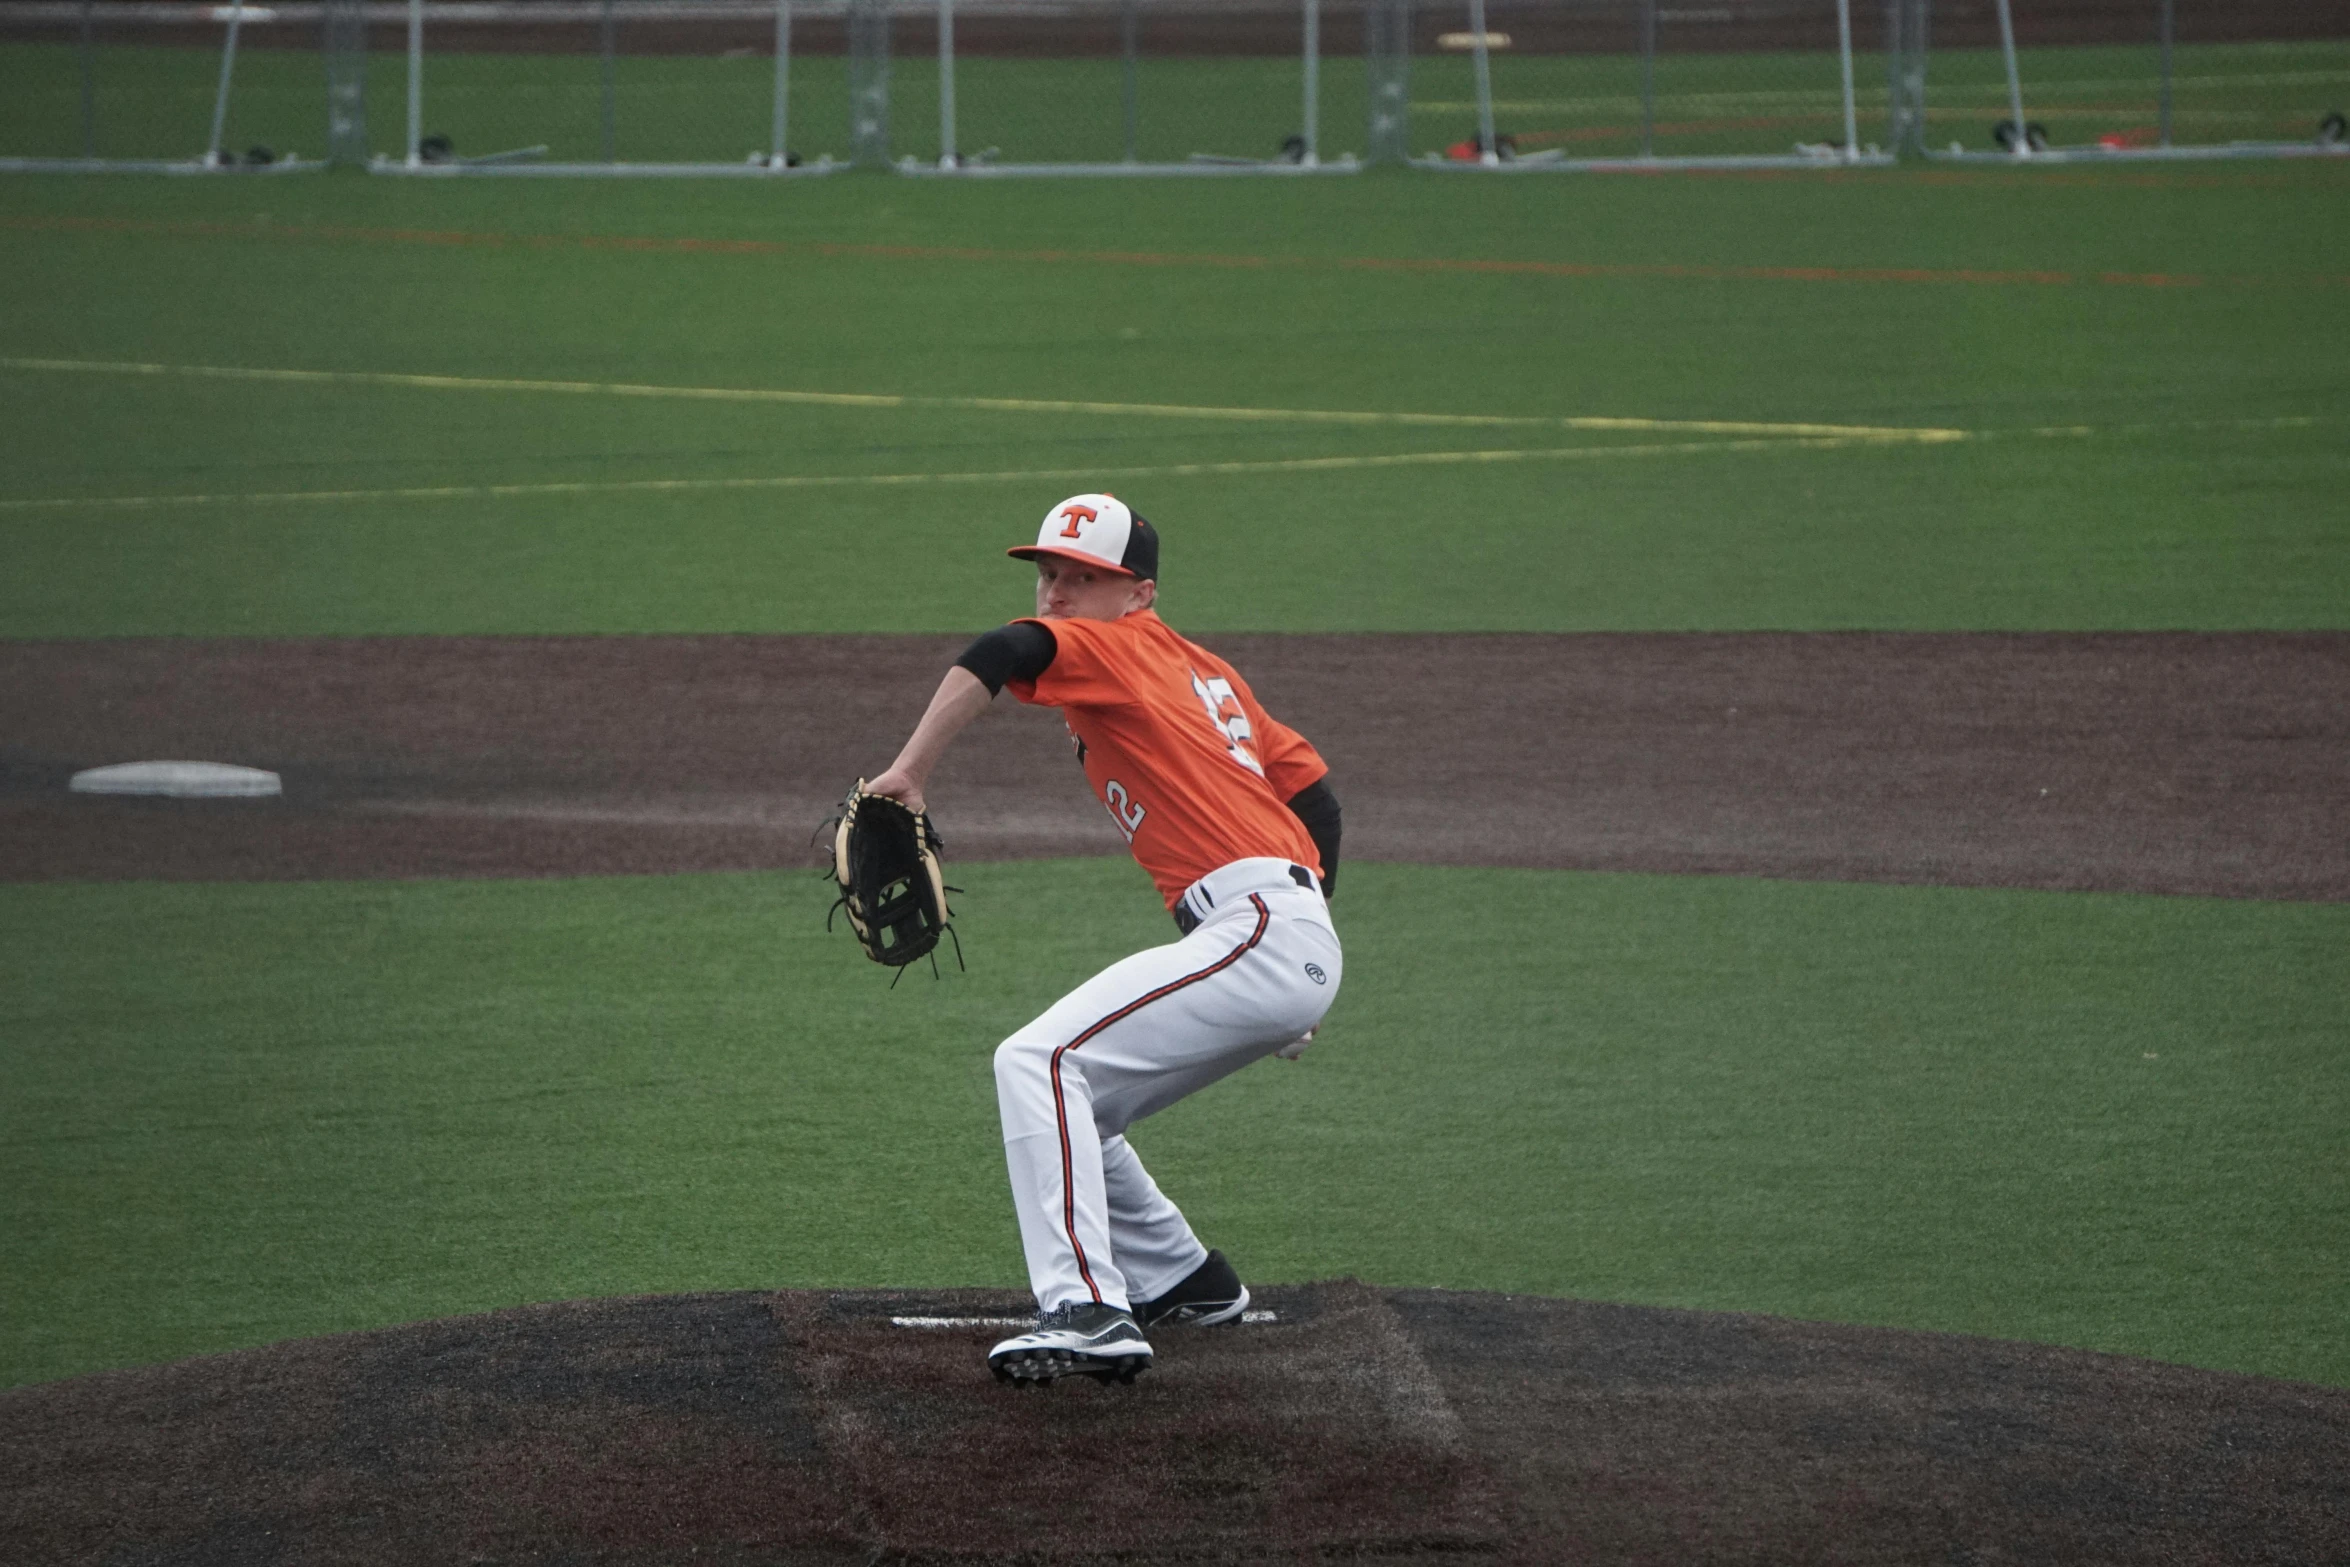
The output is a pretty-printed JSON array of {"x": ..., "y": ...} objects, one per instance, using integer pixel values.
[{"x": 1231, "y": 813}]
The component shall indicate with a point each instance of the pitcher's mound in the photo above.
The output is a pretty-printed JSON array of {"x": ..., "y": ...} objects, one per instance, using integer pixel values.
[{"x": 1357, "y": 1424}]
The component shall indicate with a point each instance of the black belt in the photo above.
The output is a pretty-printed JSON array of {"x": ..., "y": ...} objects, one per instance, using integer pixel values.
[{"x": 1187, "y": 922}]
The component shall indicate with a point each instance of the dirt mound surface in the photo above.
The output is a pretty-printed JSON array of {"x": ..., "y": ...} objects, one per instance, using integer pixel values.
[
  {"x": 2177, "y": 763},
  {"x": 1359, "y": 1423}
]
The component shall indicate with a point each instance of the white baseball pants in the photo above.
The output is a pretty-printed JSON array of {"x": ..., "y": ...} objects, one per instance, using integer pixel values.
[{"x": 1261, "y": 969}]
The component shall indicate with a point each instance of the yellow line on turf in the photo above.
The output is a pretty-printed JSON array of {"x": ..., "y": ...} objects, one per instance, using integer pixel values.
[
  {"x": 450, "y": 492},
  {"x": 457, "y": 383}
]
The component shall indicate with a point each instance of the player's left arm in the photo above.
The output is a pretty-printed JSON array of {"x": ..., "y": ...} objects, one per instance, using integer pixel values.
[
  {"x": 1317, "y": 807},
  {"x": 1299, "y": 777}
]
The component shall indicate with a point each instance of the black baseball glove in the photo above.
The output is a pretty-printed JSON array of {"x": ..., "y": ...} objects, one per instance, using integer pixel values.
[{"x": 892, "y": 885}]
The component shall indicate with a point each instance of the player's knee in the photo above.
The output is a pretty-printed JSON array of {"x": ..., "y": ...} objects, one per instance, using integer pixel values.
[{"x": 1023, "y": 1058}]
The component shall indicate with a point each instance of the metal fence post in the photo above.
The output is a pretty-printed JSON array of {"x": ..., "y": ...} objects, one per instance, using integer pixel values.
[
  {"x": 869, "y": 83},
  {"x": 1487, "y": 152},
  {"x": 1313, "y": 82},
  {"x": 946, "y": 84},
  {"x": 1905, "y": 71},
  {"x": 415, "y": 82},
  {"x": 345, "y": 26},
  {"x": 1844, "y": 51},
  {"x": 1129, "y": 29},
  {"x": 2168, "y": 35},
  {"x": 1387, "y": 61},
  {"x": 228, "y": 66},
  {"x": 1648, "y": 78},
  {"x": 778, "y": 147},
  {"x": 2021, "y": 144}
]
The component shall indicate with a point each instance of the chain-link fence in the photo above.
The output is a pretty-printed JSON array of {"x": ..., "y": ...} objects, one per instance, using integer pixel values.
[
  {"x": 1157, "y": 86},
  {"x": 2101, "y": 78}
]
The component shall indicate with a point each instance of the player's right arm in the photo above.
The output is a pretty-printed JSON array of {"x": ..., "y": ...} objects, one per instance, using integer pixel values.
[
  {"x": 1022, "y": 650},
  {"x": 960, "y": 697}
]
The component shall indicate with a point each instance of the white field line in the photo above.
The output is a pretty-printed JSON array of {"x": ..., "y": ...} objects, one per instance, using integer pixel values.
[
  {"x": 1023, "y": 1322},
  {"x": 457, "y": 492},
  {"x": 1026, "y": 405},
  {"x": 1189, "y": 470}
]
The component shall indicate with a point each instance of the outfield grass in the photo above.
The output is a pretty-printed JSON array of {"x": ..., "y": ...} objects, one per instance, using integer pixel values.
[
  {"x": 231, "y": 1114},
  {"x": 2183, "y": 335}
]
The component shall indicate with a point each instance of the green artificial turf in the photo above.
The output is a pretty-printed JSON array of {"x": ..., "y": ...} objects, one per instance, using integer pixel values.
[
  {"x": 232, "y": 1113},
  {"x": 2198, "y": 481}
]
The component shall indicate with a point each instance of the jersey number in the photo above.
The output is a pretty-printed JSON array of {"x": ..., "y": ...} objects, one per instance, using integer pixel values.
[
  {"x": 1127, "y": 813},
  {"x": 1224, "y": 711}
]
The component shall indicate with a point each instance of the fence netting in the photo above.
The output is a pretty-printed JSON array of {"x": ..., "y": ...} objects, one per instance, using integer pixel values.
[
  {"x": 2096, "y": 76},
  {"x": 1200, "y": 85}
]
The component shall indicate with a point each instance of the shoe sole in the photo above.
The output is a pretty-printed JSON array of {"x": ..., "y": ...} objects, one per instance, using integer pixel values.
[
  {"x": 1204, "y": 1316},
  {"x": 1045, "y": 1365}
]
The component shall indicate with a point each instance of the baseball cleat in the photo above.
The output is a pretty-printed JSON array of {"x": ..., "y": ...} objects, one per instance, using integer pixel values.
[
  {"x": 1084, "y": 1340},
  {"x": 1212, "y": 1294}
]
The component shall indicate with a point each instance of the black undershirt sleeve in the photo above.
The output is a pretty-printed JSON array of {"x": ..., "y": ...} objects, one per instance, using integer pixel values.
[
  {"x": 1317, "y": 807},
  {"x": 1022, "y": 650}
]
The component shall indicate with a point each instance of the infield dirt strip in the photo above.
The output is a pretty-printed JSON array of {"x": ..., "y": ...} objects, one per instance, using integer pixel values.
[{"x": 2179, "y": 763}]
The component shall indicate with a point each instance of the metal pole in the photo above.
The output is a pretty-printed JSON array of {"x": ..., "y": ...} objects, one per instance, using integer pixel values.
[
  {"x": 2022, "y": 145},
  {"x": 228, "y": 64},
  {"x": 946, "y": 84},
  {"x": 1313, "y": 72},
  {"x": 415, "y": 81},
  {"x": 89, "y": 89},
  {"x": 1844, "y": 48},
  {"x": 868, "y": 23},
  {"x": 1648, "y": 78},
  {"x": 1129, "y": 28},
  {"x": 1487, "y": 154},
  {"x": 604, "y": 46},
  {"x": 2168, "y": 31},
  {"x": 1894, "y": 120},
  {"x": 778, "y": 153}
]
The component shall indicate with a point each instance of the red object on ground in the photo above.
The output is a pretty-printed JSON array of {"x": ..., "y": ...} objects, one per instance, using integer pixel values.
[{"x": 1463, "y": 151}]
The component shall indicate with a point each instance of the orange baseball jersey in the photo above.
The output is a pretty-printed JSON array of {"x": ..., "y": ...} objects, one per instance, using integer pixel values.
[{"x": 1193, "y": 771}]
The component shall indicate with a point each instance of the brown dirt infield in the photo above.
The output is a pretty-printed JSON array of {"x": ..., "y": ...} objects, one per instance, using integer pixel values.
[
  {"x": 2172, "y": 763},
  {"x": 1406, "y": 1425}
]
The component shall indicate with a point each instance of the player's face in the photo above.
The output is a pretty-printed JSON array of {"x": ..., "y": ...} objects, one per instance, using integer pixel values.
[{"x": 1069, "y": 590}]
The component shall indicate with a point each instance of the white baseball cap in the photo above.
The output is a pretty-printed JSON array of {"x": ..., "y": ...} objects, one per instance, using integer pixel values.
[{"x": 1100, "y": 530}]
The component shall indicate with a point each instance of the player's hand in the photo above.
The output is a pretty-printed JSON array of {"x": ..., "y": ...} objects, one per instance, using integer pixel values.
[
  {"x": 1297, "y": 1046},
  {"x": 899, "y": 785}
]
